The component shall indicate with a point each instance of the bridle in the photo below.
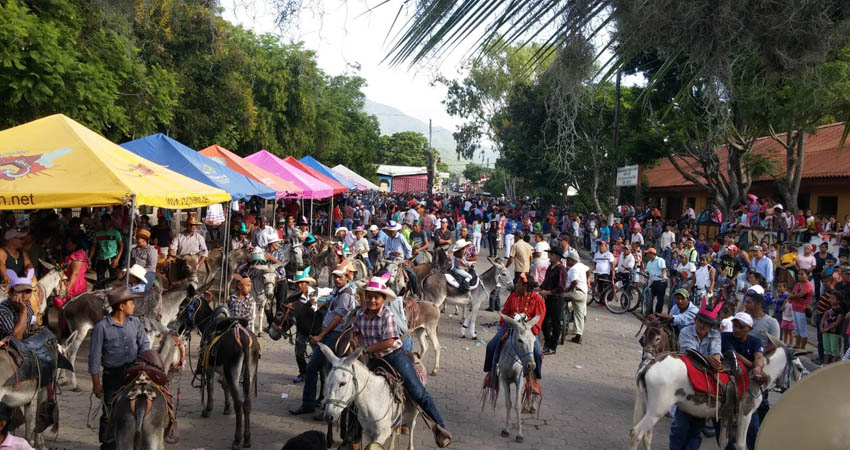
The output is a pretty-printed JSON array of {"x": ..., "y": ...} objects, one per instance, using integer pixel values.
[
  {"x": 357, "y": 391},
  {"x": 521, "y": 358}
]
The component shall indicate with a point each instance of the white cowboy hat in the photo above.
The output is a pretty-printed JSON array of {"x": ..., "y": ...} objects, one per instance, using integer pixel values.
[
  {"x": 341, "y": 269},
  {"x": 376, "y": 284},
  {"x": 373, "y": 228},
  {"x": 393, "y": 226},
  {"x": 138, "y": 272},
  {"x": 461, "y": 244},
  {"x": 340, "y": 229}
]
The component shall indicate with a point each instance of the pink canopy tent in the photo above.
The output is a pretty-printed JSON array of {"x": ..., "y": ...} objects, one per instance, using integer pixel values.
[
  {"x": 284, "y": 188},
  {"x": 312, "y": 187},
  {"x": 337, "y": 187}
]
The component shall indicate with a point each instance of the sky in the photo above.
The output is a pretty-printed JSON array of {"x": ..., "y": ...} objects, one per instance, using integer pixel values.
[{"x": 347, "y": 33}]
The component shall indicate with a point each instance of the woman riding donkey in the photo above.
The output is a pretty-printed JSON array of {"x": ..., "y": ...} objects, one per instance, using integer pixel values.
[
  {"x": 523, "y": 305},
  {"x": 375, "y": 327}
]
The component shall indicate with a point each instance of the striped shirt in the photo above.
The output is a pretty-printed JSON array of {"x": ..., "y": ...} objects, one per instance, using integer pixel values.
[
  {"x": 9, "y": 317},
  {"x": 378, "y": 328},
  {"x": 242, "y": 308}
]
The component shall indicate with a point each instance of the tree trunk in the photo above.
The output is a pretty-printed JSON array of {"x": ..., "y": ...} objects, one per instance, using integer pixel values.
[{"x": 789, "y": 184}]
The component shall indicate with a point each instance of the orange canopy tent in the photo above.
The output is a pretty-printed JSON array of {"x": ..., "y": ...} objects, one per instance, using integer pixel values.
[{"x": 235, "y": 162}]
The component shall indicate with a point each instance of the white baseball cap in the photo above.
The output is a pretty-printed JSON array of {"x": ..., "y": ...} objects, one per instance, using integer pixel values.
[{"x": 744, "y": 318}]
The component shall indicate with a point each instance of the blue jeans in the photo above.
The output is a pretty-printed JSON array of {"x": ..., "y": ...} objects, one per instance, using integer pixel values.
[
  {"x": 311, "y": 375},
  {"x": 401, "y": 363},
  {"x": 348, "y": 223},
  {"x": 685, "y": 431},
  {"x": 407, "y": 343},
  {"x": 490, "y": 354},
  {"x": 801, "y": 326},
  {"x": 752, "y": 432},
  {"x": 495, "y": 300}
]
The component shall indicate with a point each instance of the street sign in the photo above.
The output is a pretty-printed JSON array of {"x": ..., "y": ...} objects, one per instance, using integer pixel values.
[{"x": 627, "y": 176}]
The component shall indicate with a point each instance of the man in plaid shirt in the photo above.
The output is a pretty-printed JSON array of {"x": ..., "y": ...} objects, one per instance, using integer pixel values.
[{"x": 375, "y": 328}]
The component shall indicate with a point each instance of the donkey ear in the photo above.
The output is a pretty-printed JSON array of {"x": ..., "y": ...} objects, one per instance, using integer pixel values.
[
  {"x": 329, "y": 354},
  {"x": 531, "y": 323},
  {"x": 46, "y": 264},
  {"x": 349, "y": 360},
  {"x": 509, "y": 320}
]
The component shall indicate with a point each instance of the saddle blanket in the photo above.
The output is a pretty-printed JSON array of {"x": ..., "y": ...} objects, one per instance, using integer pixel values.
[
  {"x": 703, "y": 382},
  {"x": 453, "y": 282}
]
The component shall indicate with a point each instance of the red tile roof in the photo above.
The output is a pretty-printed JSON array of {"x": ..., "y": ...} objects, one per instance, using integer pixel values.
[{"x": 824, "y": 158}]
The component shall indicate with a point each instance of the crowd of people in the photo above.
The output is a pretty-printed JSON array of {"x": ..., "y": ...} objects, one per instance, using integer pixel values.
[{"x": 728, "y": 292}]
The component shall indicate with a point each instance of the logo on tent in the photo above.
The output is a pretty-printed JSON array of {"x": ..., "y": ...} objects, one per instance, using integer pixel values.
[
  {"x": 142, "y": 169},
  {"x": 15, "y": 165}
]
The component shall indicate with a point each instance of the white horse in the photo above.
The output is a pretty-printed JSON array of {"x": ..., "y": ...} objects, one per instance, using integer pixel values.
[
  {"x": 663, "y": 382},
  {"x": 349, "y": 382},
  {"x": 437, "y": 290},
  {"x": 516, "y": 359}
]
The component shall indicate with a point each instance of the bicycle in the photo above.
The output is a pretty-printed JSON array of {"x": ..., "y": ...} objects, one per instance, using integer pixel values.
[
  {"x": 621, "y": 296},
  {"x": 597, "y": 289},
  {"x": 646, "y": 296}
]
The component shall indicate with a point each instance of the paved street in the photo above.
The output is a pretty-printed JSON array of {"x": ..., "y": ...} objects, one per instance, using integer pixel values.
[{"x": 587, "y": 404}]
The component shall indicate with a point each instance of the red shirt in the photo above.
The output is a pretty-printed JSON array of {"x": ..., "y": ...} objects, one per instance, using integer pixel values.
[
  {"x": 802, "y": 287},
  {"x": 531, "y": 304}
]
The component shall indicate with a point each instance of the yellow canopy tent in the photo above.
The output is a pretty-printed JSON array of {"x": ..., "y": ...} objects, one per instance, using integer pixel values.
[{"x": 55, "y": 162}]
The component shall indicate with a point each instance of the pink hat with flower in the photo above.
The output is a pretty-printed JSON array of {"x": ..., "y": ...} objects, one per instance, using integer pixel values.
[{"x": 379, "y": 284}]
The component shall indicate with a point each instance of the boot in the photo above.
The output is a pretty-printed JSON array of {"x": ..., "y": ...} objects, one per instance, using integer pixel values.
[{"x": 441, "y": 436}]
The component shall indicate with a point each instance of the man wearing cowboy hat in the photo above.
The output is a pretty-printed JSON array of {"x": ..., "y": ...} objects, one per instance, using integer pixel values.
[
  {"x": 240, "y": 238},
  {"x": 340, "y": 302},
  {"x": 553, "y": 289},
  {"x": 361, "y": 246},
  {"x": 116, "y": 341},
  {"x": 375, "y": 327},
  {"x": 263, "y": 234},
  {"x": 305, "y": 308},
  {"x": 189, "y": 242},
  {"x": 16, "y": 313},
  {"x": 144, "y": 255},
  {"x": 577, "y": 291},
  {"x": 396, "y": 246}
]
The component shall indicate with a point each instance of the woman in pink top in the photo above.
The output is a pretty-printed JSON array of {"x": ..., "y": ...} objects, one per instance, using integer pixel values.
[
  {"x": 807, "y": 260},
  {"x": 800, "y": 297}
]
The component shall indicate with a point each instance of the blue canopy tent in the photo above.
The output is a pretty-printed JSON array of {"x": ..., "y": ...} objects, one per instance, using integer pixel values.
[
  {"x": 326, "y": 171},
  {"x": 167, "y": 152}
]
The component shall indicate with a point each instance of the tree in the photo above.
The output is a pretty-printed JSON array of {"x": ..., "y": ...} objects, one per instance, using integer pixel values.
[
  {"x": 473, "y": 172},
  {"x": 406, "y": 148}
]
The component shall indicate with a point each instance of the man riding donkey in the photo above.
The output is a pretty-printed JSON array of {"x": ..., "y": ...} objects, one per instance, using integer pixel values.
[
  {"x": 375, "y": 328},
  {"x": 116, "y": 342},
  {"x": 522, "y": 305},
  {"x": 398, "y": 249},
  {"x": 189, "y": 243}
]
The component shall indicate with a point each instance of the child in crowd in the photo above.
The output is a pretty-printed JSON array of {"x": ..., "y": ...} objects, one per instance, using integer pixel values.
[
  {"x": 829, "y": 327},
  {"x": 786, "y": 327}
]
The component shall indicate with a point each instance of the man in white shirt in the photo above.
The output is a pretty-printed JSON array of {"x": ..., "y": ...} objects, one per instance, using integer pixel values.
[
  {"x": 665, "y": 242},
  {"x": 603, "y": 266},
  {"x": 625, "y": 266},
  {"x": 637, "y": 236},
  {"x": 685, "y": 271},
  {"x": 264, "y": 234},
  {"x": 577, "y": 291}
]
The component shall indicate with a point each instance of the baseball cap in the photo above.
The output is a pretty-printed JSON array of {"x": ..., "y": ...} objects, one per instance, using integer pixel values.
[
  {"x": 757, "y": 248},
  {"x": 14, "y": 233},
  {"x": 744, "y": 318},
  {"x": 652, "y": 250},
  {"x": 373, "y": 228},
  {"x": 683, "y": 292}
]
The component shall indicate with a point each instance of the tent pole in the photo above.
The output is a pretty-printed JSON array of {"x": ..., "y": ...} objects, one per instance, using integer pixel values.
[
  {"x": 331, "y": 221},
  {"x": 312, "y": 230},
  {"x": 129, "y": 240},
  {"x": 225, "y": 247}
]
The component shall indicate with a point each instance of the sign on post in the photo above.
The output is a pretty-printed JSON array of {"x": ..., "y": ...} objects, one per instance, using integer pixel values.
[{"x": 627, "y": 176}]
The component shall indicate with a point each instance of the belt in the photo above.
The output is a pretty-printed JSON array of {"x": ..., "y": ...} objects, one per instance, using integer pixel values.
[{"x": 115, "y": 370}]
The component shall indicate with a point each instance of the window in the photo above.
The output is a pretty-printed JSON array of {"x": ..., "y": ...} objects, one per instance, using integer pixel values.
[
  {"x": 803, "y": 202},
  {"x": 828, "y": 206}
]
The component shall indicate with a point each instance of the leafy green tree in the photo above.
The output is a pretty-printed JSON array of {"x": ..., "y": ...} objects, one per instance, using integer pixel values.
[
  {"x": 473, "y": 172},
  {"x": 406, "y": 148}
]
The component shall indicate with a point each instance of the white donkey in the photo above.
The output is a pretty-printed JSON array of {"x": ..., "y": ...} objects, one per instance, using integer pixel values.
[
  {"x": 349, "y": 382},
  {"x": 664, "y": 382},
  {"x": 437, "y": 290},
  {"x": 515, "y": 360}
]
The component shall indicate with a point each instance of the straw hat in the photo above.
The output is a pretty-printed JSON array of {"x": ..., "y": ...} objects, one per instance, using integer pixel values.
[
  {"x": 341, "y": 269},
  {"x": 144, "y": 234},
  {"x": 192, "y": 219},
  {"x": 461, "y": 244},
  {"x": 304, "y": 275},
  {"x": 376, "y": 284}
]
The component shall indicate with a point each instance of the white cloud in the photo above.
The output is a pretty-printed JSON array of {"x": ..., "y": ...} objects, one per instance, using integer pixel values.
[{"x": 347, "y": 33}]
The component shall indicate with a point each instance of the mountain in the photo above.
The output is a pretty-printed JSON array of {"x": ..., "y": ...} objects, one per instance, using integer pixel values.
[{"x": 393, "y": 120}]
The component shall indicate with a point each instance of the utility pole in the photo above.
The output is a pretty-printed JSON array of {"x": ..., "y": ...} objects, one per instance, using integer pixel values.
[{"x": 431, "y": 169}]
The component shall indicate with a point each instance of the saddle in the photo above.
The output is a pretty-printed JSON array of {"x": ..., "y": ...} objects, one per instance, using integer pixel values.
[
  {"x": 149, "y": 364},
  {"x": 381, "y": 367},
  {"x": 704, "y": 379},
  {"x": 147, "y": 378},
  {"x": 36, "y": 357},
  {"x": 454, "y": 280}
]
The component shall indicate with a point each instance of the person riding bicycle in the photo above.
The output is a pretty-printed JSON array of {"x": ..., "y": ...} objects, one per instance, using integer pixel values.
[
  {"x": 625, "y": 266},
  {"x": 603, "y": 268}
]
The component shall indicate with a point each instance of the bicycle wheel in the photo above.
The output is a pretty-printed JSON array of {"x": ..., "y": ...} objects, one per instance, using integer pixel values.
[
  {"x": 646, "y": 304},
  {"x": 614, "y": 301},
  {"x": 634, "y": 298}
]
